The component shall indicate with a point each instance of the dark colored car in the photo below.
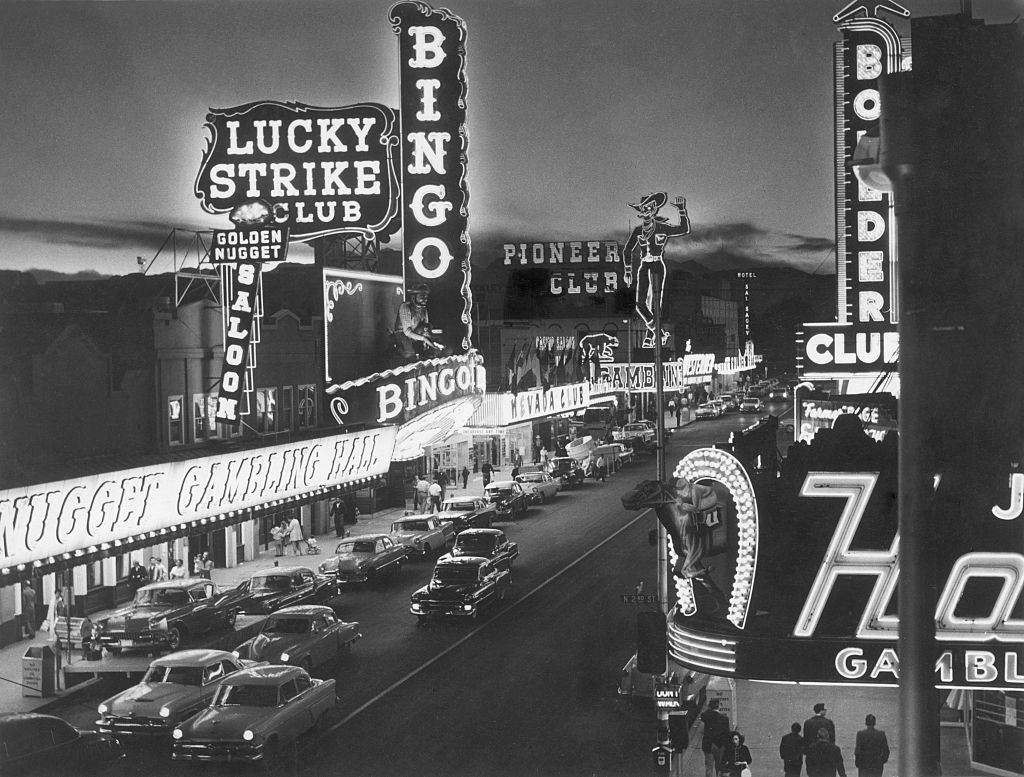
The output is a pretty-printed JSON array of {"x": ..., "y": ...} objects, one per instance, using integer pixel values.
[
  {"x": 163, "y": 615},
  {"x": 468, "y": 512},
  {"x": 284, "y": 587},
  {"x": 567, "y": 470},
  {"x": 460, "y": 586},
  {"x": 174, "y": 688},
  {"x": 509, "y": 498},
  {"x": 486, "y": 543},
  {"x": 367, "y": 558},
  {"x": 306, "y": 636},
  {"x": 35, "y": 744}
]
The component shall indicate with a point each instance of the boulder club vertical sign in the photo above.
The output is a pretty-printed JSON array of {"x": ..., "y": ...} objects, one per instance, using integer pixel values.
[{"x": 432, "y": 48}]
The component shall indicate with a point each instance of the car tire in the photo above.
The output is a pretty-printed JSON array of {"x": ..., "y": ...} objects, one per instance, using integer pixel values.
[
  {"x": 175, "y": 636},
  {"x": 271, "y": 755}
]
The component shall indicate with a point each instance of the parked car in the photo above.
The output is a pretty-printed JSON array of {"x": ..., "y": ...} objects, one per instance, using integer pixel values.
[
  {"x": 486, "y": 543},
  {"x": 35, "y": 744},
  {"x": 423, "y": 534},
  {"x": 509, "y": 498},
  {"x": 567, "y": 470},
  {"x": 643, "y": 431},
  {"x": 708, "y": 410},
  {"x": 539, "y": 485},
  {"x": 367, "y": 558},
  {"x": 624, "y": 455},
  {"x": 163, "y": 615},
  {"x": 174, "y": 688},
  {"x": 467, "y": 512},
  {"x": 254, "y": 714},
  {"x": 283, "y": 587},
  {"x": 461, "y": 586},
  {"x": 307, "y": 636},
  {"x": 751, "y": 405}
]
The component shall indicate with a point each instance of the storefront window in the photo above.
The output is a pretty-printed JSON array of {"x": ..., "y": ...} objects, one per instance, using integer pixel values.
[
  {"x": 94, "y": 575},
  {"x": 285, "y": 409},
  {"x": 307, "y": 407},
  {"x": 123, "y": 565},
  {"x": 175, "y": 420},
  {"x": 266, "y": 410}
]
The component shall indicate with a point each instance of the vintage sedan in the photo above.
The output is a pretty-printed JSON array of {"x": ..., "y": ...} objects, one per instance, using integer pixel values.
[
  {"x": 35, "y": 744},
  {"x": 751, "y": 405},
  {"x": 254, "y": 714},
  {"x": 567, "y": 470},
  {"x": 367, "y": 558},
  {"x": 539, "y": 485},
  {"x": 468, "y": 512},
  {"x": 283, "y": 587},
  {"x": 174, "y": 688},
  {"x": 634, "y": 431},
  {"x": 509, "y": 499},
  {"x": 423, "y": 534},
  {"x": 708, "y": 410},
  {"x": 306, "y": 636},
  {"x": 163, "y": 615},
  {"x": 486, "y": 543},
  {"x": 460, "y": 586}
]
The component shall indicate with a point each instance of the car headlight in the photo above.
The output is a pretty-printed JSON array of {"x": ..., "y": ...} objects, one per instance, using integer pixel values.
[
  {"x": 177, "y": 733},
  {"x": 285, "y": 657},
  {"x": 102, "y": 709},
  {"x": 236, "y": 654},
  {"x": 416, "y": 606},
  {"x": 322, "y": 568},
  {"x": 247, "y": 735},
  {"x": 165, "y": 711},
  {"x": 467, "y": 607}
]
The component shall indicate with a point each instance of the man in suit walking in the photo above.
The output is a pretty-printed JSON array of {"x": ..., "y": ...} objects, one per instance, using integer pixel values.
[
  {"x": 824, "y": 759},
  {"x": 818, "y": 723},
  {"x": 871, "y": 751}
]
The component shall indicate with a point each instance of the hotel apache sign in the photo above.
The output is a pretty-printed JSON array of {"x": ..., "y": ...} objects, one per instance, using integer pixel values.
[
  {"x": 807, "y": 590},
  {"x": 51, "y": 519}
]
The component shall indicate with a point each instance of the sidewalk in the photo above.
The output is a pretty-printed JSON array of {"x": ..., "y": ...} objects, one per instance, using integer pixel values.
[{"x": 11, "y": 697}]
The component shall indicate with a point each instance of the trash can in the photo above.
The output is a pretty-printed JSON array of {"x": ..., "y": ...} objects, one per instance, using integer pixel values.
[{"x": 38, "y": 671}]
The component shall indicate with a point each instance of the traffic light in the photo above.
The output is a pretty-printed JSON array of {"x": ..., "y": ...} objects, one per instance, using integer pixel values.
[{"x": 651, "y": 642}]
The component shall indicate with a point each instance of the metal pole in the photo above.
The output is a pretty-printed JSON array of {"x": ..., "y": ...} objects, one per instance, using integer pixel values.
[{"x": 659, "y": 405}]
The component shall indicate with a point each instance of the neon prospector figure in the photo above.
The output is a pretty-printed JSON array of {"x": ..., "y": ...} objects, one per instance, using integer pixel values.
[{"x": 648, "y": 239}]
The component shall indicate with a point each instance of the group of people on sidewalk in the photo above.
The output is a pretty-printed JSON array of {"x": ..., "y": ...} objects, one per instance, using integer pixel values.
[{"x": 726, "y": 754}]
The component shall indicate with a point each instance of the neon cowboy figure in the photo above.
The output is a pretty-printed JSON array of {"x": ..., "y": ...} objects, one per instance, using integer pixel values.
[{"x": 649, "y": 240}]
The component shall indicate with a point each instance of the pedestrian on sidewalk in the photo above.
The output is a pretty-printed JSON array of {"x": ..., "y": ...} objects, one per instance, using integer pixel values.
[
  {"x": 434, "y": 492},
  {"x": 818, "y": 723},
  {"x": 58, "y": 609},
  {"x": 349, "y": 511},
  {"x": 679, "y": 411},
  {"x": 157, "y": 571},
  {"x": 872, "y": 749},
  {"x": 422, "y": 493},
  {"x": 735, "y": 756},
  {"x": 486, "y": 471},
  {"x": 465, "y": 477},
  {"x": 137, "y": 575},
  {"x": 824, "y": 759},
  {"x": 338, "y": 516},
  {"x": 602, "y": 468},
  {"x": 178, "y": 571},
  {"x": 295, "y": 535},
  {"x": 716, "y": 731},
  {"x": 197, "y": 566},
  {"x": 28, "y": 610},
  {"x": 791, "y": 751},
  {"x": 207, "y": 566},
  {"x": 277, "y": 534}
]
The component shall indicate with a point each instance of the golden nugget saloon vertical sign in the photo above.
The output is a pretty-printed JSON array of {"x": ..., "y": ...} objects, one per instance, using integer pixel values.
[{"x": 432, "y": 49}]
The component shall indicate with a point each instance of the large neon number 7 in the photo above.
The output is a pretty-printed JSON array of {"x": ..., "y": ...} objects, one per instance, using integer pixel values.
[{"x": 856, "y": 488}]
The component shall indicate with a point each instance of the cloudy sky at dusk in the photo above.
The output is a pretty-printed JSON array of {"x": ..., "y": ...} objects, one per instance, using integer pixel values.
[{"x": 575, "y": 108}]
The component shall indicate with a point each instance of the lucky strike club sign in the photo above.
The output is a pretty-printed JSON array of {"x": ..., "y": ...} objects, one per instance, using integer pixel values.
[
  {"x": 321, "y": 170},
  {"x": 806, "y": 589},
  {"x": 55, "y": 518}
]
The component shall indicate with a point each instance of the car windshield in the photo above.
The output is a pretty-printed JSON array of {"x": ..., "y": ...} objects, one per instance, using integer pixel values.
[
  {"x": 271, "y": 583},
  {"x": 456, "y": 505},
  {"x": 399, "y": 526},
  {"x": 499, "y": 491},
  {"x": 179, "y": 675},
  {"x": 478, "y": 544},
  {"x": 246, "y": 696},
  {"x": 450, "y": 573},
  {"x": 286, "y": 626},
  {"x": 354, "y": 547},
  {"x": 161, "y": 596},
  {"x": 532, "y": 477}
]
